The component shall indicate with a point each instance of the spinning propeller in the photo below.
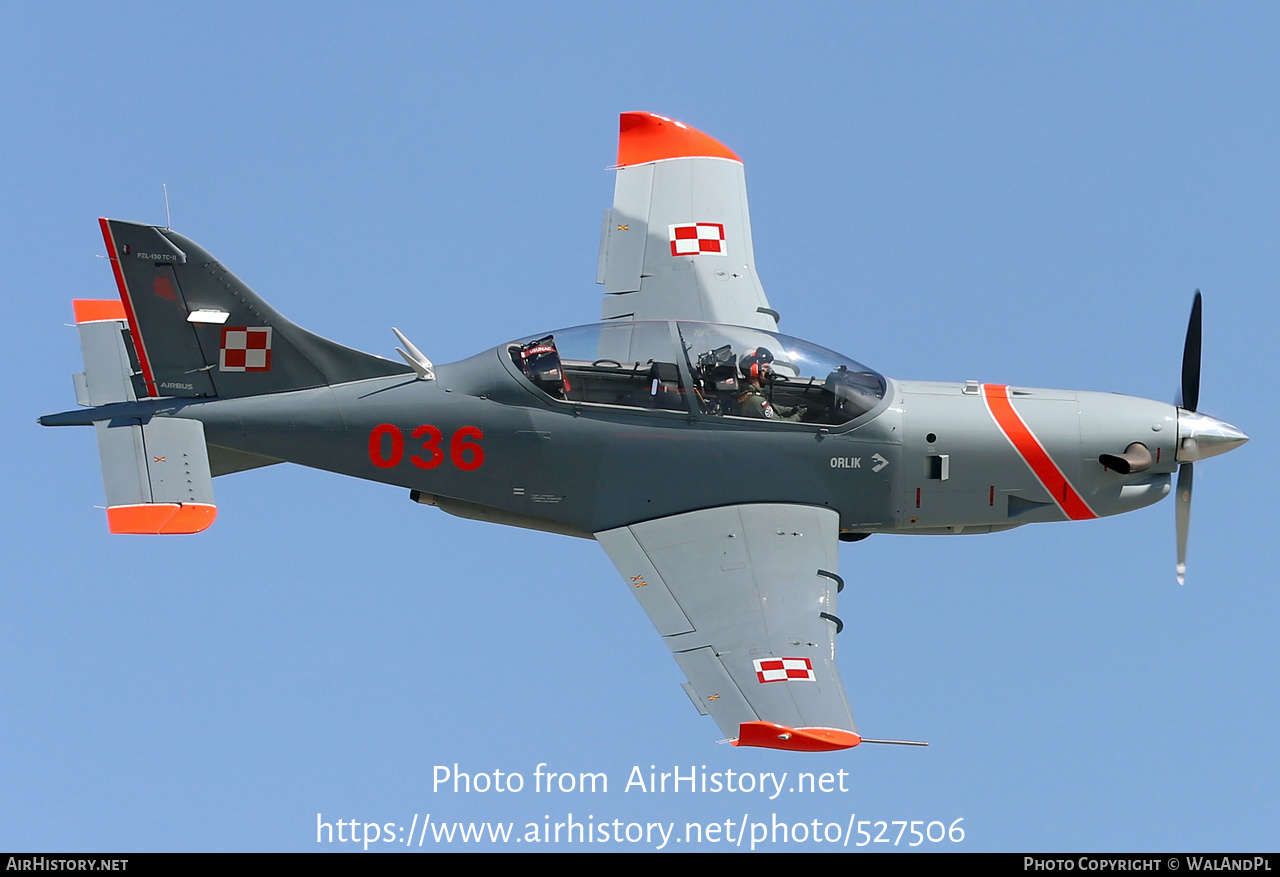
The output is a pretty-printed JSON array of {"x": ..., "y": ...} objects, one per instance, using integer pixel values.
[{"x": 1199, "y": 435}]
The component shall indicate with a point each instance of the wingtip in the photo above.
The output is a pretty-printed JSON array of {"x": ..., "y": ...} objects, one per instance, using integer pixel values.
[
  {"x": 645, "y": 137},
  {"x": 768, "y": 735}
]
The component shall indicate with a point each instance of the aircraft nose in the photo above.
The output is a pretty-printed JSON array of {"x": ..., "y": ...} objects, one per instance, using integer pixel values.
[{"x": 1201, "y": 436}]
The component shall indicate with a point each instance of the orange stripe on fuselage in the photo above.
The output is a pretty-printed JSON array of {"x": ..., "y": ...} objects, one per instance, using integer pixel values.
[{"x": 1033, "y": 453}]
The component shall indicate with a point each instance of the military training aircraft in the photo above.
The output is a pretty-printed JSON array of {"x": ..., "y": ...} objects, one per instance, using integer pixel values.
[{"x": 633, "y": 431}]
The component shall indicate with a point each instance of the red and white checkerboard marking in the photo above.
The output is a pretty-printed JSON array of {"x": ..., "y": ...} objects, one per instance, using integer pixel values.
[
  {"x": 784, "y": 670},
  {"x": 245, "y": 349},
  {"x": 697, "y": 239}
]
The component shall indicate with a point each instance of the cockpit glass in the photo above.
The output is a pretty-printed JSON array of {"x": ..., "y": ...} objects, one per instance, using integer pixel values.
[
  {"x": 726, "y": 371},
  {"x": 629, "y": 364},
  {"x": 776, "y": 376}
]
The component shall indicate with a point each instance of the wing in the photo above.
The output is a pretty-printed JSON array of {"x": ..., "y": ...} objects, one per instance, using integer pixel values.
[
  {"x": 677, "y": 243},
  {"x": 745, "y": 598}
]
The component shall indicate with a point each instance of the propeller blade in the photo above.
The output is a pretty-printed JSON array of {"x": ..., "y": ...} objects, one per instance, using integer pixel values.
[
  {"x": 1183, "y": 506},
  {"x": 1189, "y": 398}
]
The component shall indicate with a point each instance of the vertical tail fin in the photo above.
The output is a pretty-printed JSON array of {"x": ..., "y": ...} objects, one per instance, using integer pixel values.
[{"x": 199, "y": 331}]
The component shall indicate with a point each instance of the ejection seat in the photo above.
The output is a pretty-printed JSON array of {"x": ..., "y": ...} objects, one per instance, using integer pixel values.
[
  {"x": 540, "y": 361},
  {"x": 718, "y": 382}
]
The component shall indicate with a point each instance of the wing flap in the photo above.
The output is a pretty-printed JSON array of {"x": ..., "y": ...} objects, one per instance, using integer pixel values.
[{"x": 644, "y": 581}]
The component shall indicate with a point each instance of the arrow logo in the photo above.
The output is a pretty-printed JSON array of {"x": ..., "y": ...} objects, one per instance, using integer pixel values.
[{"x": 881, "y": 462}]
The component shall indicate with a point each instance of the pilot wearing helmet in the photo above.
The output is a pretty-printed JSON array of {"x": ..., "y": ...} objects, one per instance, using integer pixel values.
[{"x": 756, "y": 366}]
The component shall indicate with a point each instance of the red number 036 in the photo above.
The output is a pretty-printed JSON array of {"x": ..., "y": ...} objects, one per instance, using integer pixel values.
[{"x": 464, "y": 447}]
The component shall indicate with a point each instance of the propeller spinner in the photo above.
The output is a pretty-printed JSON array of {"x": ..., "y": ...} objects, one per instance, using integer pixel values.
[{"x": 1199, "y": 435}]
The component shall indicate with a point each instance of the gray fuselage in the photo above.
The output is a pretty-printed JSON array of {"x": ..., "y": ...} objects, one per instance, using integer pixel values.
[{"x": 483, "y": 442}]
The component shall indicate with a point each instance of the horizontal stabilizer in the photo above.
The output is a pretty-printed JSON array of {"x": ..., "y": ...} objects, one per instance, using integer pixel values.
[
  {"x": 110, "y": 366},
  {"x": 156, "y": 475}
]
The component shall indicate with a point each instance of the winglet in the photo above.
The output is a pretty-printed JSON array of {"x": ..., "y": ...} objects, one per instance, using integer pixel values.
[
  {"x": 645, "y": 137},
  {"x": 768, "y": 735}
]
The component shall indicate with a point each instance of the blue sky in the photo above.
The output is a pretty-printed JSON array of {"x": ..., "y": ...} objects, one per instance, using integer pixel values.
[{"x": 1013, "y": 193}]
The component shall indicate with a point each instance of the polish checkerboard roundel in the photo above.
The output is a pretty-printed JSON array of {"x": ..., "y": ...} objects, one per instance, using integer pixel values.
[
  {"x": 784, "y": 670},
  {"x": 245, "y": 349},
  {"x": 697, "y": 239}
]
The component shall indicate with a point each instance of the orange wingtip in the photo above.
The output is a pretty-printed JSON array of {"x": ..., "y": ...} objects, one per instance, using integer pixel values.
[
  {"x": 767, "y": 735},
  {"x": 89, "y": 310},
  {"x": 156, "y": 518},
  {"x": 646, "y": 137}
]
